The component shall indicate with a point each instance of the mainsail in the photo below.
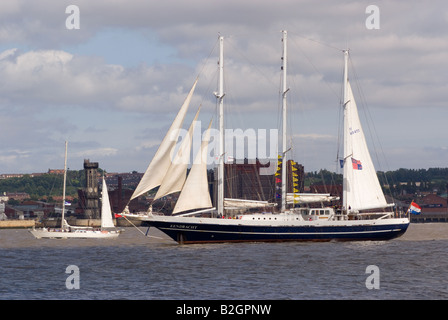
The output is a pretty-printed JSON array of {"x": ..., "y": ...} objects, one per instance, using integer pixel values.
[
  {"x": 161, "y": 162},
  {"x": 195, "y": 193},
  {"x": 361, "y": 188},
  {"x": 106, "y": 212}
]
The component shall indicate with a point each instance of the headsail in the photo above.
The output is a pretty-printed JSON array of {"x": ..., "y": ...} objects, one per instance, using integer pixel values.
[
  {"x": 362, "y": 189},
  {"x": 195, "y": 193},
  {"x": 161, "y": 162},
  {"x": 177, "y": 172}
]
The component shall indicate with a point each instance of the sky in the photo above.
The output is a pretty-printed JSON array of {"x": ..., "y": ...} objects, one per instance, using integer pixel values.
[{"x": 112, "y": 84}]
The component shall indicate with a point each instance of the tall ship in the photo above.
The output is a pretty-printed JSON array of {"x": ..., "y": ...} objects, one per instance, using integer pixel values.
[{"x": 365, "y": 214}]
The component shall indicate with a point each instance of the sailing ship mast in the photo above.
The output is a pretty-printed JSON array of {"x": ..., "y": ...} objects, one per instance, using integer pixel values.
[
  {"x": 220, "y": 96},
  {"x": 221, "y": 202},
  {"x": 63, "y": 189},
  {"x": 346, "y": 167},
  {"x": 284, "y": 91}
]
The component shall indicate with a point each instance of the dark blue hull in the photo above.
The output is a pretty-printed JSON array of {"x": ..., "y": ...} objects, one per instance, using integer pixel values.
[{"x": 187, "y": 233}]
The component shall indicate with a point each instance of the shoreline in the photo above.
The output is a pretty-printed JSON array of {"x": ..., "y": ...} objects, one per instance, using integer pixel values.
[{"x": 17, "y": 224}]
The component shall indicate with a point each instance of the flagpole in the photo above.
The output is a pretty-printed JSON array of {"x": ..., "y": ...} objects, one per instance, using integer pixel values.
[{"x": 408, "y": 212}]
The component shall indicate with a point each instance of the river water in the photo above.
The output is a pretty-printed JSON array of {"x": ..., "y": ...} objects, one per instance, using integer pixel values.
[{"x": 133, "y": 266}]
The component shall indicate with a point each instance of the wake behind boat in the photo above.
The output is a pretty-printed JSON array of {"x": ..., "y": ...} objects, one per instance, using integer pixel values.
[
  {"x": 66, "y": 231},
  {"x": 362, "y": 217}
]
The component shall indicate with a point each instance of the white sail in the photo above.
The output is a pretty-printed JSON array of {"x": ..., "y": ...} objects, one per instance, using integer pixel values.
[
  {"x": 195, "y": 193},
  {"x": 298, "y": 198},
  {"x": 106, "y": 212},
  {"x": 362, "y": 189},
  {"x": 230, "y": 203},
  {"x": 177, "y": 173},
  {"x": 160, "y": 164}
]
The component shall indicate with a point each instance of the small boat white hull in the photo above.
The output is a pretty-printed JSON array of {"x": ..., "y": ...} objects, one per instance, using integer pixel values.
[{"x": 76, "y": 234}]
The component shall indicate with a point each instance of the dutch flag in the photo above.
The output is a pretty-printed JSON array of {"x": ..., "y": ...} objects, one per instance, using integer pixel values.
[{"x": 414, "y": 208}]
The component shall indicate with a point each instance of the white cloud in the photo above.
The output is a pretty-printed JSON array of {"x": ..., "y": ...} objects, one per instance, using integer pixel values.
[
  {"x": 148, "y": 144},
  {"x": 53, "y": 78},
  {"x": 101, "y": 152}
]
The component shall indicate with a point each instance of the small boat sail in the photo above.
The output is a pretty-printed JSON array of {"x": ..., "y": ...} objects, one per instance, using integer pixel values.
[
  {"x": 67, "y": 231},
  {"x": 361, "y": 191}
]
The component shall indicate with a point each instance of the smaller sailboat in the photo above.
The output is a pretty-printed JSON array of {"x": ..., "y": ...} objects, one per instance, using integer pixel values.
[{"x": 67, "y": 231}]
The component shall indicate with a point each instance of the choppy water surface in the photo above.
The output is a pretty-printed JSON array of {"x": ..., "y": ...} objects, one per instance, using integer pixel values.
[{"x": 414, "y": 266}]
